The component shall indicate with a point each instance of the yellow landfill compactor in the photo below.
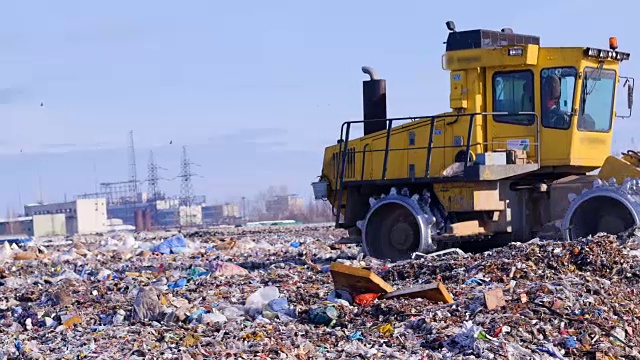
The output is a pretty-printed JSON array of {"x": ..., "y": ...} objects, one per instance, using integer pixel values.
[{"x": 513, "y": 159}]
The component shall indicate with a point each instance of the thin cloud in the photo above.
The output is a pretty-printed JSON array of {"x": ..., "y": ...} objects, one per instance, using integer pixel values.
[
  {"x": 10, "y": 95},
  {"x": 54, "y": 148},
  {"x": 251, "y": 133}
]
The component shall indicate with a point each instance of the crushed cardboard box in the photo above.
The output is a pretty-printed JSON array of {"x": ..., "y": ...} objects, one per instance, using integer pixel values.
[{"x": 361, "y": 281}]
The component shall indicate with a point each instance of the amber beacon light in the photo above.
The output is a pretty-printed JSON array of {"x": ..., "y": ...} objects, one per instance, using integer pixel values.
[{"x": 613, "y": 43}]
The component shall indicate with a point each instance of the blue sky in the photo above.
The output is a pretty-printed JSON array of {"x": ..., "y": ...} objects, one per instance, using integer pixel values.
[{"x": 254, "y": 89}]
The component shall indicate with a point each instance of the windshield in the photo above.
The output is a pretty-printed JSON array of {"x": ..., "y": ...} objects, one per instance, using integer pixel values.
[{"x": 596, "y": 110}]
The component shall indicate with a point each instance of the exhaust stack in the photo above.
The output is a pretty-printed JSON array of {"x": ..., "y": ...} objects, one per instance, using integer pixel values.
[{"x": 374, "y": 102}]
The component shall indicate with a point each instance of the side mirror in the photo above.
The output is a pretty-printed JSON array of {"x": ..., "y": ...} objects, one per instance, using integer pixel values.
[
  {"x": 629, "y": 83},
  {"x": 630, "y": 95}
]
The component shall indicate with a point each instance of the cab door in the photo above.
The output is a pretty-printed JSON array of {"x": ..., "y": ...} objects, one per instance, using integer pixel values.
[
  {"x": 557, "y": 91},
  {"x": 512, "y": 91}
]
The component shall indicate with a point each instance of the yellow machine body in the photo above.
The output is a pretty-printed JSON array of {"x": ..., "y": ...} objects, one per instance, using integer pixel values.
[
  {"x": 471, "y": 92},
  {"x": 499, "y": 96}
]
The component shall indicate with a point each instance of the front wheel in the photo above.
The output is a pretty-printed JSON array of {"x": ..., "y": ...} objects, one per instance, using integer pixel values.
[
  {"x": 397, "y": 226},
  {"x": 606, "y": 208}
]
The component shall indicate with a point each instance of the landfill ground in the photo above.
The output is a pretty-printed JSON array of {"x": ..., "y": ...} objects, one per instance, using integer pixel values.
[{"x": 268, "y": 293}]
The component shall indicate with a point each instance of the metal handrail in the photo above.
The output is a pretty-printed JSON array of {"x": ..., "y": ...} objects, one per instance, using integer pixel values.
[
  {"x": 428, "y": 167},
  {"x": 344, "y": 143}
]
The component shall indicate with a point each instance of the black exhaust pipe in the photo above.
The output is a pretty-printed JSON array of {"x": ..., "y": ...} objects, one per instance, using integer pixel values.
[{"x": 374, "y": 102}]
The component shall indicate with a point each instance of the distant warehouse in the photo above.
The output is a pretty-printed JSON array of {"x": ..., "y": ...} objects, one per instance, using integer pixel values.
[{"x": 81, "y": 216}]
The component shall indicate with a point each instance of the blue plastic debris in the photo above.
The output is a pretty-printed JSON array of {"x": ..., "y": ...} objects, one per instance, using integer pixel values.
[
  {"x": 177, "y": 284},
  {"x": 570, "y": 342},
  {"x": 173, "y": 245},
  {"x": 195, "y": 315},
  {"x": 474, "y": 281},
  {"x": 356, "y": 336},
  {"x": 15, "y": 239}
]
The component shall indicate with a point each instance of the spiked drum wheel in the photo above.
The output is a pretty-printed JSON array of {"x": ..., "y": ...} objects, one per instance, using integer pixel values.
[
  {"x": 607, "y": 208},
  {"x": 397, "y": 226}
]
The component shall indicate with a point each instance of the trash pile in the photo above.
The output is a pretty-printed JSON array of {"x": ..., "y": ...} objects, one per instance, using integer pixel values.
[{"x": 296, "y": 293}]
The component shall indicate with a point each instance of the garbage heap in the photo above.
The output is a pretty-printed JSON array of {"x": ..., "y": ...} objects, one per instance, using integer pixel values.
[{"x": 294, "y": 293}]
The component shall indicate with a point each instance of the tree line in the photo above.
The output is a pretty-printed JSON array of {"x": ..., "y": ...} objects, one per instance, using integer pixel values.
[{"x": 308, "y": 211}]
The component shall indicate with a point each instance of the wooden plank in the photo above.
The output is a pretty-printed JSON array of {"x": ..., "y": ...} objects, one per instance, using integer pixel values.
[
  {"x": 357, "y": 281},
  {"x": 435, "y": 292}
]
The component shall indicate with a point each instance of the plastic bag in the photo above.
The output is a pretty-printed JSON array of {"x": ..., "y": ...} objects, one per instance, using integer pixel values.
[
  {"x": 256, "y": 301},
  {"x": 213, "y": 317},
  {"x": 323, "y": 316},
  {"x": 232, "y": 313},
  {"x": 341, "y": 297},
  {"x": 365, "y": 299},
  {"x": 221, "y": 268},
  {"x": 173, "y": 245},
  {"x": 465, "y": 338},
  {"x": 146, "y": 307},
  {"x": 281, "y": 307}
]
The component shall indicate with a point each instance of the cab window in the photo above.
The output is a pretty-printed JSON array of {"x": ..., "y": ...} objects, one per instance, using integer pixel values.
[
  {"x": 557, "y": 88},
  {"x": 513, "y": 93},
  {"x": 596, "y": 108}
]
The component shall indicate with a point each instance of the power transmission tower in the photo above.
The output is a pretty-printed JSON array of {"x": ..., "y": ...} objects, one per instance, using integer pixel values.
[
  {"x": 153, "y": 178},
  {"x": 153, "y": 183},
  {"x": 186, "y": 187},
  {"x": 133, "y": 171}
]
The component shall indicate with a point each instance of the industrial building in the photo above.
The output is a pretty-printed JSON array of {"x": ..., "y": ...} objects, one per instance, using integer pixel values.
[
  {"x": 151, "y": 209},
  {"x": 284, "y": 204},
  {"x": 16, "y": 226},
  {"x": 82, "y": 216},
  {"x": 159, "y": 214},
  {"x": 126, "y": 212},
  {"x": 36, "y": 225},
  {"x": 223, "y": 214}
]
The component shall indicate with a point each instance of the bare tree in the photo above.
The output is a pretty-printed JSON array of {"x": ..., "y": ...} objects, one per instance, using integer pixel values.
[{"x": 313, "y": 211}]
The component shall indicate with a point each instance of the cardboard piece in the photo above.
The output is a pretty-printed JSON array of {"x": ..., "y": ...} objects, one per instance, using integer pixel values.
[
  {"x": 435, "y": 292},
  {"x": 25, "y": 256},
  {"x": 357, "y": 281},
  {"x": 494, "y": 298}
]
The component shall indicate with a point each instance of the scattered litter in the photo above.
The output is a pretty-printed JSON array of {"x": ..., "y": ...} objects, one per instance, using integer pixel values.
[{"x": 296, "y": 293}]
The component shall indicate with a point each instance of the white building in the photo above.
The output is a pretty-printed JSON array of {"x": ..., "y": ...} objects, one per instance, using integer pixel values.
[
  {"x": 190, "y": 215},
  {"x": 82, "y": 216},
  {"x": 49, "y": 225}
]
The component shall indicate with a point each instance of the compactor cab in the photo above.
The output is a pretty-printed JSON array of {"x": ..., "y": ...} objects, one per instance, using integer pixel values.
[
  {"x": 525, "y": 126},
  {"x": 568, "y": 93}
]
